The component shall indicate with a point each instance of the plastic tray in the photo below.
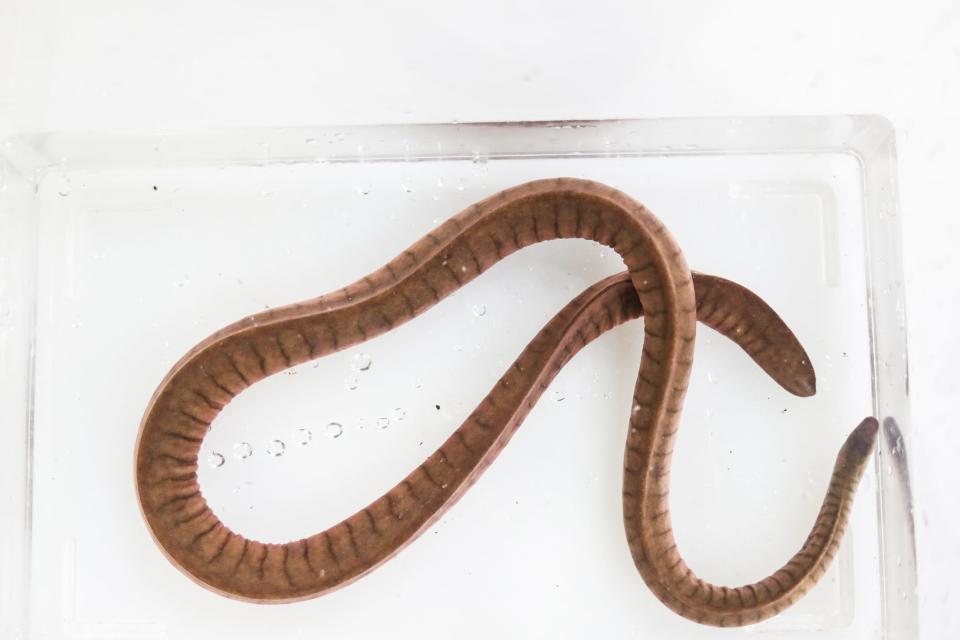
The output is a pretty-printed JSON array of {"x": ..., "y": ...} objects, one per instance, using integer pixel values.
[{"x": 117, "y": 254}]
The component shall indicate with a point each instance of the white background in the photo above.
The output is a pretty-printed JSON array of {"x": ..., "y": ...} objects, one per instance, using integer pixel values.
[{"x": 129, "y": 65}]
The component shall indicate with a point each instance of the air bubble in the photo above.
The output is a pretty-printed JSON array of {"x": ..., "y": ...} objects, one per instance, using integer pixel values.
[
  {"x": 479, "y": 164},
  {"x": 242, "y": 450},
  {"x": 362, "y": 362},
  {"x": 304, "y": 436},
  {"x": 399, "y": 414},
  {"x": 479, "y": 310},
  {"x": 334, "y": 429},
  {"x": 557, "y": 396},
  {"x": 276, "y": 448},
  {"x": 351, "y": 382},
  {"x": 215, "y": 460},
  {"x": 383, "y": 423}
]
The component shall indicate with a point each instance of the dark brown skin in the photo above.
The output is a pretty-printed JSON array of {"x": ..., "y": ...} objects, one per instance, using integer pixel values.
[{"x": 658, "y": 284}]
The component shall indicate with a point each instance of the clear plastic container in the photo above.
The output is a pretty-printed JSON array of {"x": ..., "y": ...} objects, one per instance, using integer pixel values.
[{"x": 119, "y": 253}]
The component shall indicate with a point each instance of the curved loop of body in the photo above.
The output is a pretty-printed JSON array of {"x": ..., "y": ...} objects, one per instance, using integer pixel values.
[{"x": 657, "y": 284}]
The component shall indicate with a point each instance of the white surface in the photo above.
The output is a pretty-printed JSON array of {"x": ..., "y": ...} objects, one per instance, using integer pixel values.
[{"x": 113, "y": 65}]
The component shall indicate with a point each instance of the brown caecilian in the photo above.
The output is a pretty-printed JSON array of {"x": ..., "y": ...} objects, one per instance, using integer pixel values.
[{"x": 657, "y": 285}]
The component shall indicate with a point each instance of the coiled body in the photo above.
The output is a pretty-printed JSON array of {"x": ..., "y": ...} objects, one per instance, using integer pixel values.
[{"x": 657, "y": 284}]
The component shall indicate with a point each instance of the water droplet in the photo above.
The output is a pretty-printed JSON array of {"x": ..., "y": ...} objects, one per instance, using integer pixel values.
[
  {"x": 242, "y": 487},
  {"x": 351, "y": 383},
  {"x": 215, "y": 459},
  {"x": 557, "y": 396},
  {"x": 242, "y": 450},
  {"x": 362, "y": 362},
  {"x": 311, "y": 141},
  {"x": 406, "y": 188},
  {"x": 399, "y": 414},
  {"x": 383, "y": 423},
  {"x": 363, "y": 189},
  {"x": 304, "y": 436},
  {"x": 479, "y": 310},
  {"x": 418, "y": 384},
  {"x": 479, "y": 165},
  {"x": 334, "y": 429},
  {"x": 276, "y": 448}
]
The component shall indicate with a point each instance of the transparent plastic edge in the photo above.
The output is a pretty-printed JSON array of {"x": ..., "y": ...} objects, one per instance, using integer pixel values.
[
  {"x": 429, "y": 142},
  {"x": 17, "y": 308},
  {"x": 874, "y": 145}
]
